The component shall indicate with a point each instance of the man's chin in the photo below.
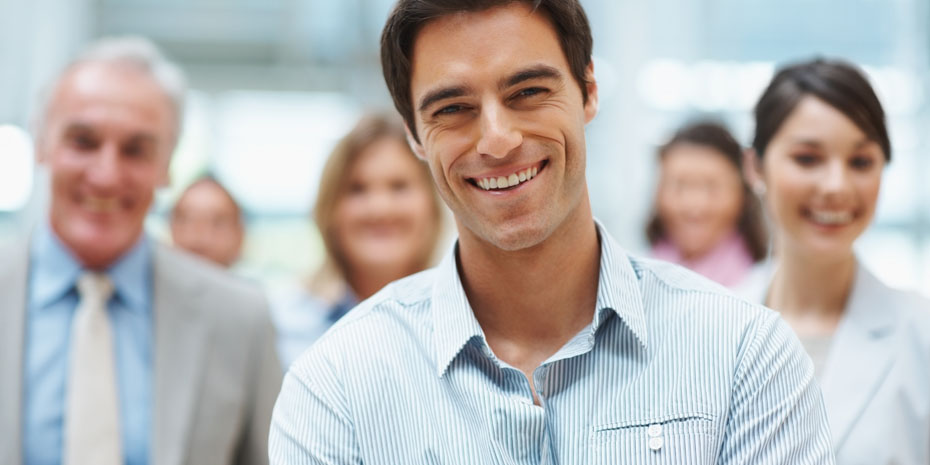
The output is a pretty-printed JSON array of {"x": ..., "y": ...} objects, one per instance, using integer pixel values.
[
  {"x": 516, "y": 238},
  {"x": 98, "y": 249}
]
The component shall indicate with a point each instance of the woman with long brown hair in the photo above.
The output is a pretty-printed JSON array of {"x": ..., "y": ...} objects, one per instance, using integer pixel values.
[
  {"x": 705, "y": 218},
  {"x": 380, "y": 220}
]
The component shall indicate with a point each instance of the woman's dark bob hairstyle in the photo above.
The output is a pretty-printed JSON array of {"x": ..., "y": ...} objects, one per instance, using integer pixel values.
[{"x": 838, "y": 83}]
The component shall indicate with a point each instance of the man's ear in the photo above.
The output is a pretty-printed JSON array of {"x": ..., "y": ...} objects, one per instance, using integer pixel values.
[
  {"x": 591, "y": 106},
  {"x": 752, "y": 171},
  {"x": 415, "y": 146},
  {"x": 164, "y": 170}
]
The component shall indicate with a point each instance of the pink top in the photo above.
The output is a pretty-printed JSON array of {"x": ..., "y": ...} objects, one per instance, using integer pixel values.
[{"x": 727, "y": 263}]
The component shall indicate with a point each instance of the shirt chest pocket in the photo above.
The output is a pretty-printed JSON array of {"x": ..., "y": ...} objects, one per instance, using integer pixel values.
[{"x": 671, "y": 439}]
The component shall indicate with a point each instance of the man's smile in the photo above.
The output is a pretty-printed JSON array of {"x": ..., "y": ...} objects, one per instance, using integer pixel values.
[{"x": 508, "y": 179}]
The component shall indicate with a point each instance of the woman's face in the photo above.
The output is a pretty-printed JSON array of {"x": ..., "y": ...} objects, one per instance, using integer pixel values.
[
  {"x": 385, "y": 220},
  {"x": 822, "y": 176},
  {"x": 699, "y": 198}
]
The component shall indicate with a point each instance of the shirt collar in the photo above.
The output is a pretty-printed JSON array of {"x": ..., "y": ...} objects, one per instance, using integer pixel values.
[
  {"x": 131, "y": 275},
  {"x": 55, "y": 270},
  {"x": 454, "y": 322}
]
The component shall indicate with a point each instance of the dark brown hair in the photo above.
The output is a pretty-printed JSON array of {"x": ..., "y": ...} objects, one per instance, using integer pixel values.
[
  {"x": 750, "y": 224},
  {"x": 409, "y": 16},
  {"x": 838, "y": 83}
]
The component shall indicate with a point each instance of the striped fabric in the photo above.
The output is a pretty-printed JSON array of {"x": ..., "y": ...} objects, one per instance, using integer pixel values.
[{"x": 672, "y": 370}]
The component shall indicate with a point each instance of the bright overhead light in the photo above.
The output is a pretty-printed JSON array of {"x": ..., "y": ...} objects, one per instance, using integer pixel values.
[{"x": 16, "y": 167}]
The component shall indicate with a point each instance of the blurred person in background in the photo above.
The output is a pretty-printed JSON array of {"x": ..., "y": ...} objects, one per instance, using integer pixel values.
[
  {"x": 705, "y": 217},
  {"x": 819, "y": 151},
  {"x": 207, "y": 221},
  {"x": 380, "y": 220},
  {"x": 113, "y": 348}
]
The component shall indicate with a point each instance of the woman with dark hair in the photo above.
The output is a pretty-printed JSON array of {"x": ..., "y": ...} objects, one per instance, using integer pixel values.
[
  {"x": 380, "y": 220},
  {"x": 704, "y": 215},
  {"x": 820, "y": 148}
]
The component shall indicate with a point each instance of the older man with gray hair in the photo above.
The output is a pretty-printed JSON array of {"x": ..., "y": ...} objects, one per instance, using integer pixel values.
[{"x": 113, "y": 348}]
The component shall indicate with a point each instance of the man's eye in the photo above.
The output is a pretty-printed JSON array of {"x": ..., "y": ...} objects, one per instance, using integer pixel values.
[
  {"x": 83, "y": 142},
  {"x": 448, "y": 110},
  {"x": 530, "y": 91},
  {"x": 135, "y": 151}
]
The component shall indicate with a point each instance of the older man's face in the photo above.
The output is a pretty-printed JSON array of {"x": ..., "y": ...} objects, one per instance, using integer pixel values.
[{"x": 106, "y": 141}]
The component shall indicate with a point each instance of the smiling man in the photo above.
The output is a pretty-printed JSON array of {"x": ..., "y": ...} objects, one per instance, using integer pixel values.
[
  {"x": 115, "y": 349},
  {"x": 537, "y": 339}
]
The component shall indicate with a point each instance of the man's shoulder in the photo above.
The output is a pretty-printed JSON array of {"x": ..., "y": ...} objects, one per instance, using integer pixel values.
[
  {"x": 695, "y": 305},
  {"x": 390, "y": 322},
  {"x": 217, "y": 289},
  {"x": 14, "y": 256},
  {"x": 668, "y": 279}
]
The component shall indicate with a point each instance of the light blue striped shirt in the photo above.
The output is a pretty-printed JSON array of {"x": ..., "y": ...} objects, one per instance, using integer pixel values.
[{"x": 671, "y": 370}]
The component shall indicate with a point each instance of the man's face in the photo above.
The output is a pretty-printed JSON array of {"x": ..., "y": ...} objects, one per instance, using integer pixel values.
[
  {"x": 495, "y": 104},
  {"x": 206, "y": 222},
  {"x": 106, "y": 141}
]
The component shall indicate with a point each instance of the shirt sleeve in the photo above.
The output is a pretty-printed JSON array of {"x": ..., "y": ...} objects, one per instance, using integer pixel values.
[
  {"x": 777, "y": 414},
  {"x": 311, "y": 423}
]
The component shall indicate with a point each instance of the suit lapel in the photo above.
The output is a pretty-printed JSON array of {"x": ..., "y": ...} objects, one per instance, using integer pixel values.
[
  {"x": 861, "y": 354},
  {"x": 181, "y": 337},
  {"x": 14, "y": 269}
]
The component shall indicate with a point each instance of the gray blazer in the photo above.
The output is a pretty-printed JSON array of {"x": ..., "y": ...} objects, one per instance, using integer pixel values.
[
  {"x": 876, "y": 381},
  {"x": 216, "y": 373}
]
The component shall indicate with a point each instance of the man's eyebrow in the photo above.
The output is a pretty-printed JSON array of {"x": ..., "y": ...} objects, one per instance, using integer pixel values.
[
  {"x": 534, "y": 72},
  {"x": 443, "y": 93},
  {"x": 78, "y": 127},
  {"x": 143, "y": 138}
]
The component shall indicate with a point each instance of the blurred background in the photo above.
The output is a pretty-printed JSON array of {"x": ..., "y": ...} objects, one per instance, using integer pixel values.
[{"x": 274, "y": 83}]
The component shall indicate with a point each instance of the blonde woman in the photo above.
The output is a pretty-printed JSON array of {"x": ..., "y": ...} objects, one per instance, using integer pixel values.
[
  {"x": 380, "y": 220},
  {"x": 820, "y": 148}
]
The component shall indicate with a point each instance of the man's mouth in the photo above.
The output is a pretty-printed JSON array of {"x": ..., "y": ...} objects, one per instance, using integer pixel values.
[
  {"x": 100, "y": 204},
  {"x": 509, "y": 181}
]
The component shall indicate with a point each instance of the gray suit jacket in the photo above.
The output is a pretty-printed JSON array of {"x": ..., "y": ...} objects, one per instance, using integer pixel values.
[
  {"x": 876, "y": 381},
  {"x": 216, "y": 373}
]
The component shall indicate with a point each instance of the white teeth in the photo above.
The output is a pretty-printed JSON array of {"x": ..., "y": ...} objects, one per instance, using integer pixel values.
[
  {"x": 502, "y": 182},
  {"x": 831, "y": 217},
  {"x": 100, "y": 204}
]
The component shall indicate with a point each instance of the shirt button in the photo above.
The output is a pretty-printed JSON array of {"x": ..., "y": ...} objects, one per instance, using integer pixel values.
[
  {"x": 654, "y": 431},
  {"x": 655, "y": 443}
]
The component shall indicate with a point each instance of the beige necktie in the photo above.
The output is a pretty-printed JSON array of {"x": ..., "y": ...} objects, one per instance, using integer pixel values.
[{"x": 92, "y": 434}]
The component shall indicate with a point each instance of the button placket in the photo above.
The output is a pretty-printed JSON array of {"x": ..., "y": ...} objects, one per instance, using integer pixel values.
[{"x": 655, "y": 441}]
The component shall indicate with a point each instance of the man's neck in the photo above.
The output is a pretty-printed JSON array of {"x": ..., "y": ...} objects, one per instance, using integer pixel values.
[{"x": 530, "y": 302}]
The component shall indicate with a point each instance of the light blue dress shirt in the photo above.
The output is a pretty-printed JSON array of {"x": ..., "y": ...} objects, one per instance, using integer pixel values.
[
  {"x": 52, "y": 300},
  {"x": 671, "y": 370}
]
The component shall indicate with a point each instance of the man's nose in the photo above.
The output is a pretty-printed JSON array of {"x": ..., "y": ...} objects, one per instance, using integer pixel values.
[
  {"x": 499, "y": 136},
  {"x": 105, "y": 168}
]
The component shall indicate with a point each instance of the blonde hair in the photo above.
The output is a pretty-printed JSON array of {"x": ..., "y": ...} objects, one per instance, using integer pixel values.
[{"x": 330, "y": 280}]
